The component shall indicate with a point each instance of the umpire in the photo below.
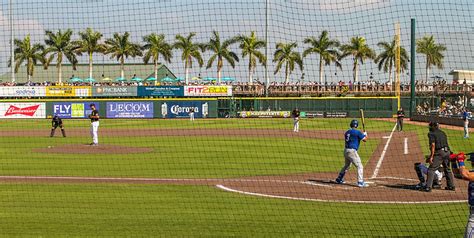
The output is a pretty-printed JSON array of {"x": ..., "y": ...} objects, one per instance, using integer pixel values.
[
  {"x": 439, "y": 155},
  {"x": 400, "y": 116},
  {"x": 55, "y": 123}
]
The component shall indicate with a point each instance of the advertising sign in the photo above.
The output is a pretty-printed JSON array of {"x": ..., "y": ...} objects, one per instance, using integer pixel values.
[
  {"x": 73, "y": 109},
  {"x": 207, "y": 91},
  {"x": 181, "y": 109},
  {"x": 335, "y": 114},
  {"x": 23, "y": 91},
  {"x": 129, "y": 110},
  {"x": 22, "y": 110},
  {"x": 107, "y": 91},
  {"x": 68, "y": 91},
  {"x": 265, "y": 114},
  {"x": 160, "y": 91}
]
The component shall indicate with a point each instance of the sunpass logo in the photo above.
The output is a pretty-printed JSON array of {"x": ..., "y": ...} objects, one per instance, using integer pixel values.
[{"x": 176, "y": 109}]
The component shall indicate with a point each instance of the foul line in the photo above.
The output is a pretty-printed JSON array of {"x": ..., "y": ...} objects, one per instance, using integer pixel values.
[
  {"x": 382, "y": 156},
  {"x": 328, "y": 200},
  {"x": 405, "y": 151}
]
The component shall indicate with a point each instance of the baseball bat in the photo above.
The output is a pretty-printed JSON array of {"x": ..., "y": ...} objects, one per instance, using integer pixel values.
[{"x": 362, "y": 118}]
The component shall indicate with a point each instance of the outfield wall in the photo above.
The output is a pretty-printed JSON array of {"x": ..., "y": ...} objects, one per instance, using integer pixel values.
[
  {"x": 203, "y": 107},
  {"x": 314, "y": 107},
  {"x": 111, "y": 108}
]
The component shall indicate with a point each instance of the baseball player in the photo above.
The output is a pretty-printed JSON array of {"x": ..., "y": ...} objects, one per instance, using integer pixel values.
[
  {"x": 400, "y": 116},
  {"x": 461, "y": 172},
  {"x": 94, "y": 116},
  {"x": 422, "y": 170},
  {"x": 191, "y": 114},
  {"x": 55, "y": 123},
  {"x": 352, "y": 139},
  {"x": 296, "y": 119},
  {"x": 465, "y": 117}
]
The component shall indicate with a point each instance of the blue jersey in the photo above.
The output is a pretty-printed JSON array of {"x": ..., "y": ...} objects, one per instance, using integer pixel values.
[
  {"x": 465, "y": 116},
  {"x": 353, "y": 138}
]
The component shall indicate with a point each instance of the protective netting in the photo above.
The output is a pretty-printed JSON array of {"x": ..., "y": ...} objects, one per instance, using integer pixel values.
[{"x": 203, "y": 158}]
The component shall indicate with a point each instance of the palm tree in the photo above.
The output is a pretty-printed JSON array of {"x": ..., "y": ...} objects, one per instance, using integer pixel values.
[
  {"x": 221, "y": 51},
  {"x": 89, "y": 43},
  {"x": 120, "y": 47},
  {"x": 59, "y": 45},
  {"x": 250, "y": 46},
  {"x": 190, "y": 50},
  {"x": 284, "y": 54},
  {"x": 359, "y": 50},
  {"x": 24, "y": 51},
  {"x": 387, "y": 58},
  {"x": 156, "y": 46},
  {"x": 327, "y": 50},
  {"x": 432, "y": 51}
]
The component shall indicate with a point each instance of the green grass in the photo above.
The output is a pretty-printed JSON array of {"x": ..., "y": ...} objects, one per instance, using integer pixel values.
[
  {"x": 285, "y": 124},
  {"x": 176, "y": 157},
  {"x": 53, "y": 210},
  {"x": 58, "y": 210}
]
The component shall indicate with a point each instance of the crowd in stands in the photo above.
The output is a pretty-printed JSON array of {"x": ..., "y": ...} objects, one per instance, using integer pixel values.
[{"x": 447, "y": 108}]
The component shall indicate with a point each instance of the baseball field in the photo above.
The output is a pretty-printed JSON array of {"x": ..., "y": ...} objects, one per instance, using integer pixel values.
[{"x": 219, "y": 178}]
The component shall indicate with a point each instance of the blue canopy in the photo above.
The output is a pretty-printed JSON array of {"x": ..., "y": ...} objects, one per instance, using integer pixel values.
[
  {"x": 167, "y": 79},
  {"x": 136, "y": 79},
  {"x": 209, "y": 79},
  {"x": 151, "y": 79},
  {"x": 179, "y": 79},
  {"x": 89, "y": 80},
  {"x": 228, "y": 79},
  {"x": 75, "y": 80},
  {"x": 120, "y": 79}
]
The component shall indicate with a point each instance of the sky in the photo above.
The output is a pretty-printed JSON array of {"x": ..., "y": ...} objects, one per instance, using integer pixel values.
[{"x": 449, "y": 21}]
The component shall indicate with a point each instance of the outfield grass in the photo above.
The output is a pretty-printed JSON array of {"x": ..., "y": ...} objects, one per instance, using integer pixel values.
[
  {"x": 182, "y": 211},
  {"x": 101, "y": 209},
  {"x": 263, "y": 123}
]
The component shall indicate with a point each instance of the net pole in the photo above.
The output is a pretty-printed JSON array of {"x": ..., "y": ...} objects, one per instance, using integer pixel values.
[
  {"x": 12, "y": 41},
  {"x": 397, "y": 64},
  {"x": 267, "y": 80},
  {"x": 412, "y": 66}
]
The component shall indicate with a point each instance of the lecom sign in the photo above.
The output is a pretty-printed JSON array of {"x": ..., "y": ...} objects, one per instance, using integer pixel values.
[{"x": 22, "y": 110}]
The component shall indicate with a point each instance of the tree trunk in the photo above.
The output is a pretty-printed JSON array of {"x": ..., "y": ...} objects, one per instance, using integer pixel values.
[
  {"x": 90, "y": 66},
  {"x": 427, "y": 69},
  {"x": 287, "y": 75},
  {"x": 321, "y": 70},
  {"x": 60, "y": 73},
  {"x": 155, "y": 69},
  {"x": 29, "y": 79},
  {"x": 250, "y": 69},
  {"x": 122, "y": 71},
  {"x": 356, "y": 71},
  {"x": 219, "y": 67},
  {"x": 186, "y": 71}
]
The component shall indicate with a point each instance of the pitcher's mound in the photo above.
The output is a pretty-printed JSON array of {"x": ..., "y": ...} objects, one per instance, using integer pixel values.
[{"x": 88, "y": 149}]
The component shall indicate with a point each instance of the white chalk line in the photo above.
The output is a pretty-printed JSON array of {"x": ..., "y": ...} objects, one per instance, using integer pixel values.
[
  {"x": 397, "y": 178},
  {"x": 405, "y": 148},
  {"x": 382, "y": 156},
  {"x": 142, "y": 179},
  {"x": 333, "y": 200}
]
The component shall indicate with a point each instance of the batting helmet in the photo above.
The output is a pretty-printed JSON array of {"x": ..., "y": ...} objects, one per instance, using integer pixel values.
[{"x": 354, "y": 124}]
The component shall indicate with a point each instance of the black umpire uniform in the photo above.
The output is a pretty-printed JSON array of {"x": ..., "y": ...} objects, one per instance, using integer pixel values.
[
  {"x": 55, "y": 123},
  {"x": 400, "y": 116},
  {"x": 440, "y": 152}
]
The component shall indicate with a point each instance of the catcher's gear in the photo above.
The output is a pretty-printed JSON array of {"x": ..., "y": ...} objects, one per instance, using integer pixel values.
[
  {"x": 354, "y": 124},
  {"x": 63, "y": 132},
  {"x": 52, "y": 132}
]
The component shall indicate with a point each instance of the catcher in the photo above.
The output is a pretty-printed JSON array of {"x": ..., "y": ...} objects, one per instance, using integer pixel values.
[
  {"x": 461, "y": 172},
  {"x": 422, "y": 170},
  {"x": 55, "y": 123}
]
